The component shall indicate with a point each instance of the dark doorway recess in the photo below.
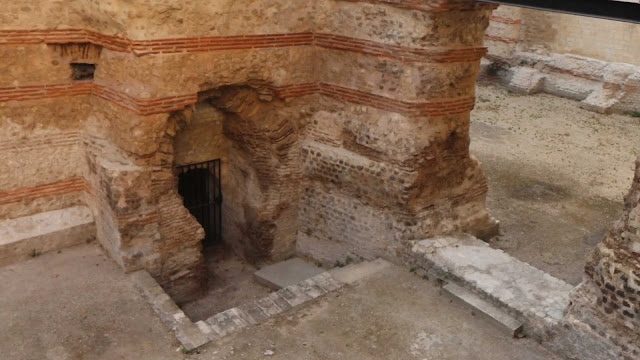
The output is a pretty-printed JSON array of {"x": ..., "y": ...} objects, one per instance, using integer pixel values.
[{"x": 199, "y": 185}]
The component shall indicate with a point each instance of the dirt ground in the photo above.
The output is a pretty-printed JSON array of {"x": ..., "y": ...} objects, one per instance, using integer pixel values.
[
  {"x": 230, "y": 284},
  {"x": 77, "y": 305},
  {"x": 393, "y": 315},
  {"x": 557, "y": 174}
]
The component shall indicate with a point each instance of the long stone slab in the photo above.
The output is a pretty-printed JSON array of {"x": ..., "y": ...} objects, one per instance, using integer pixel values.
[
  {"x": 285, "y": 273},
  {"x": 507, "y": 323},
  {"x": 531, "y": 295},
  {"x": 30, "y": 236}
]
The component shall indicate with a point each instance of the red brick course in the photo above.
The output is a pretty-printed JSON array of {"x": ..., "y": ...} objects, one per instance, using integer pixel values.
[
  {"x": 63, "y": 187},
  {"x": 174, "y": 103},
  {"x": 139, "y": 106},
  {"x": 426, "y": 5},
  {"x": 431, "y": 108},
  {"x": 500, "y": 19},
  {"x": 500, "y": 39},
  {"x": 240, "y": 42}
]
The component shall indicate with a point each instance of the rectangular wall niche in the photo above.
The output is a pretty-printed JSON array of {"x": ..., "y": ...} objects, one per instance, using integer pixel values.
[
  {"x": 199, "y": 185},
  {"x": 82, "y": 71}
]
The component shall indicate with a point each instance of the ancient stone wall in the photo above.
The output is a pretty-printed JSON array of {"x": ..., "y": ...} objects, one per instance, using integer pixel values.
[
  {"x": 346, "y": 123},
  {"x": 602, "y": 321},
  {"x": 591, "y": 60},
  {"x": 386, "y": 156}
]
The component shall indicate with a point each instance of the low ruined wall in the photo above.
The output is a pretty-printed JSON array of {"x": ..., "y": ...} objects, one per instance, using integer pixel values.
[{"x": 591, "y": 60}]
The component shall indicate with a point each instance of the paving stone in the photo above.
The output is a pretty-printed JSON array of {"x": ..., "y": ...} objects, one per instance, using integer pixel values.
[
  {"x": 311, "y": 288},
  {"x": 190, "y": 336},
  {"x": 268, "y": 306},
  {"x": 237, "y": 317},
  {"x": 254, "y": 312},
  {"x": 222, "y": 324},
  {"x": 285, "y": 273},
  {"x": 207, "y": 331},
  {"x": 279, "y": 301},
  {"x": 327, "y": 282},
  {"x": 294, "y": 295}
]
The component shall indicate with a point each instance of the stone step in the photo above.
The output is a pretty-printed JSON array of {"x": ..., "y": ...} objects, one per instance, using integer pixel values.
[
  {"x": 29, "y": 236},
  {"x": 285, "y": 273},
  {"x": 504, "y": 321},
  {"x": 529, "y": 294}
]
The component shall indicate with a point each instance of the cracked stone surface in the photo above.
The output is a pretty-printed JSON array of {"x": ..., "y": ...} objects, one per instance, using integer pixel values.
[{"x": 517, "y": 286}]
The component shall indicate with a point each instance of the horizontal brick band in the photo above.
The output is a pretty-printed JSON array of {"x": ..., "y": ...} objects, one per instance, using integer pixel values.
[
  {"x": 41, "y": 142},
  {"x": 63, "y": 187},
  {"x": 139, "y": 106},
  {"x": 428, "y": 5},
  {"x": 500, "y": 39},
  {"x": 434, "y": 108},
  {"x": 240, "y": 42},
  {"x": 145, "y": 106},
  {"x": 503, "y": 20},
  {"x": 174, "y": 103},
  {"x": 632, "y": 88},
  {"x": 399, "y": 52}
]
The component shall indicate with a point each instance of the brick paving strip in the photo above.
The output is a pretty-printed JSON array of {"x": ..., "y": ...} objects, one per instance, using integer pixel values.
[{"x": 192, "y": 336}]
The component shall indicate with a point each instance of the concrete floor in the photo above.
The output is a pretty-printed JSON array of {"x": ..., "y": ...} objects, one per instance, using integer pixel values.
[
  {"x": 556, "y": 173},
  {"x": 78, "y": 305}
]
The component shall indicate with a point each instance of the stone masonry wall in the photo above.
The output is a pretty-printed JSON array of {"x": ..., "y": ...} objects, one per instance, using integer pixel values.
[
  {"x": 356, "y": 108},
  {"x": 602, "y": 320},
  {"x": 391, "y": 163},
  {"x": 591, "y": 60}
]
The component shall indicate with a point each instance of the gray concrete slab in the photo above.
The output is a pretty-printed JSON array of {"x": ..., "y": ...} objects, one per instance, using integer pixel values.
[{"x": 285, "y": 273}]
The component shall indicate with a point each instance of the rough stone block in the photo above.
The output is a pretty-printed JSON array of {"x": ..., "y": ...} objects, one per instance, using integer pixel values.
[
  {"x": 526, "y": 81},
  {"x": 531, "y": 295}
]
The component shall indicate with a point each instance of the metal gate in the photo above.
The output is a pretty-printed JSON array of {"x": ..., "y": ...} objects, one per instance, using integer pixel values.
[{"x": 199, "y": 185}]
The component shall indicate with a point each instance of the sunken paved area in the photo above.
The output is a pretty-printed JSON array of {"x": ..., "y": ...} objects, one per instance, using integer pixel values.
[{"x": 78, "y": 305}]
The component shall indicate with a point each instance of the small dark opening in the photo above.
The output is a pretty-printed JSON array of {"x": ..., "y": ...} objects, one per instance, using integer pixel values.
[
  {"x": 83, "y": 71},
  {"x": 199, "y": 185}
]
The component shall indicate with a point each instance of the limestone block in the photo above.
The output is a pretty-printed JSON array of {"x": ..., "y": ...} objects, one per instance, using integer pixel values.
[
  {"x": 526, "y": 81},
  {"x": 29, "y": 236}
]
